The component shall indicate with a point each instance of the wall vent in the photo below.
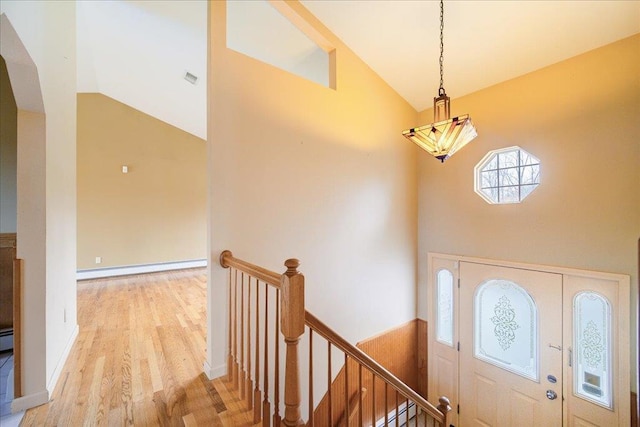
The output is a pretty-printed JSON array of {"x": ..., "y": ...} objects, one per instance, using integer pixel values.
[{"x": 190, "y": 78}]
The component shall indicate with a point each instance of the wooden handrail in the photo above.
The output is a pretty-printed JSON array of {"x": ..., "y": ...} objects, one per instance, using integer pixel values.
[
  {"x": 228, "y": 260},
  {"x": 362, "y": 358}
]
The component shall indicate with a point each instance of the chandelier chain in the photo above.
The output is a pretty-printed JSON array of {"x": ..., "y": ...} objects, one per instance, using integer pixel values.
[{"x": 441, "y": 90}]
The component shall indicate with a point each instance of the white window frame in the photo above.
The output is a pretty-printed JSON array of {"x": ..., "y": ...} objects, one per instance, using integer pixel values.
[{"x": 480, "y": 168}]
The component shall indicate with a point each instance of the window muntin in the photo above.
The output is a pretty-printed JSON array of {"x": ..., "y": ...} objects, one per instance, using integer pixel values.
[
  {"x": 444, "y": 308},
  {"x": 506, "y": 327},
  {"x": 508, "y": 175},
  {"x": 592, "y": 377}
]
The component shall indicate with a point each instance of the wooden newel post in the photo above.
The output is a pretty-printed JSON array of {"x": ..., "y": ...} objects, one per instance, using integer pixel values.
[
  {"x": 444, "y": 407},
  {"x": 292, "y": 327}
]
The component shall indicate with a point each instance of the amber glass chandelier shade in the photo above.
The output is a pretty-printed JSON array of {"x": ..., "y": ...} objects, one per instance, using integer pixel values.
[
  {"x": 445, "y": 135},
  {"x": 442, "y": 139}
]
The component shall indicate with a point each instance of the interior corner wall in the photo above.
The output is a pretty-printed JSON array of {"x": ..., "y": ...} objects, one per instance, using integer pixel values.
[
  {"x": 46, "y": 181},
  {"x": 8, "y": 154},
  {"x": 301, "y": 170},
  {"x": 153, "y": 214},
  {"x": 580, "y": 118}
]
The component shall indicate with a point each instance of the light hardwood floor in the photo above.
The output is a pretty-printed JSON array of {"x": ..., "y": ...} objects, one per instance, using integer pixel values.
[{"x": 138, "y": 358}]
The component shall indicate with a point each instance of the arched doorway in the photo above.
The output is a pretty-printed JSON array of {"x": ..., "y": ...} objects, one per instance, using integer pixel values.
[{"x": 30, "y": 341}]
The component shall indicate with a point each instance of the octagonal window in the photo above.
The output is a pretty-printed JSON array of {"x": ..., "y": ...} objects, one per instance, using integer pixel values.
[{"x": 507, "y": 175}]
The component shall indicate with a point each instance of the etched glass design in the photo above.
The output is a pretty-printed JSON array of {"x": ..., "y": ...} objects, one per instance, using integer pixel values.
[
  {"x": 505, "y": 324},
  {"x": 592, "y": 348},
  {"x": 506, "y": 327},
  {"x": 444, "y": 325},
  {"x": 507, "y": 176}
]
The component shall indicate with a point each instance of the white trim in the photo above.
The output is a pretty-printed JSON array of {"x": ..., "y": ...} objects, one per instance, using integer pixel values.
[
  {"x": 65, "y": 354},
  {"x": 578, "y": 272},
  {"x": 139, "y": 269},
  {"x": 213, "y": 373},
  {"x": 29, "y": 401},
  {"x": 480, "y": 168}
]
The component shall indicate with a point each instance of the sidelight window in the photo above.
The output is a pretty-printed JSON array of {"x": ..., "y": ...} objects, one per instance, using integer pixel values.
[
  {"x": 592, "y": 348},
  {"x": 444, "y": 325}
]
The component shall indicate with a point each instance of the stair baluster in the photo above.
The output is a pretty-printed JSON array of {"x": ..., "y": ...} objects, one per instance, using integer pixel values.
[
  {"x": 310, "y": 416},
  {"x": 230, "y": 341},
  {"x": 257, "y": 398},
  {"x": 243, "y": 372},
  {"x": 277, "y": 419},
  {"x": 234, "y": 327},
  {"x": 266, "y": 406}
]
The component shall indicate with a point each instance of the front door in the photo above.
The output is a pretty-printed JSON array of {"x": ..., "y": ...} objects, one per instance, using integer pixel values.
[{"x": 511, "y": 347}]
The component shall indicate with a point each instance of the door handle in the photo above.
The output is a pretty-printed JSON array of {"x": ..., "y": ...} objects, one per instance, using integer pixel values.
[
  {"x": 557, "y": 347},
  {"x": 552, "y": 395}
]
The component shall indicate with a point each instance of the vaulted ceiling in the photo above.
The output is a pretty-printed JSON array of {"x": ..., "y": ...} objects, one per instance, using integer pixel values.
[
  {"x": 485, "y": 42},
  {"x": 138, "y": 52}
]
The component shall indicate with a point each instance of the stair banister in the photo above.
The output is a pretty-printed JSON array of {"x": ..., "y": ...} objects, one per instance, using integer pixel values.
[
  {"x": 364, "y": 359},
  {"x": 292, "y": 323},
  {"x": 293, "y": 318}
]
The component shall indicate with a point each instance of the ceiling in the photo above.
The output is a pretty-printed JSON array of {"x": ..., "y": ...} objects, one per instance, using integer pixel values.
[
  {"x": 485, "y": 42},
  {"x": 137, "y": 52}
]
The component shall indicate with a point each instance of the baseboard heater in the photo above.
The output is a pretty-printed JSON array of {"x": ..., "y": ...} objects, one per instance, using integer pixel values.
[
  {"x": 139, "y": 269},
  {"x": 403, "y": 413}
]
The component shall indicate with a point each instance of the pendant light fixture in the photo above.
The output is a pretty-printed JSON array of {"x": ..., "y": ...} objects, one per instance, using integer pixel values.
[{"x": 445, "y": 135}]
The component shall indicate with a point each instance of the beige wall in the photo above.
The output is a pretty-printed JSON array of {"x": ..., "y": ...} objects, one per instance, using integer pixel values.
[
  {"x": 580, "y": 117},
  {"x": 38, "y": 43},
  {"x": 8, "y": 155},
  {"x": 155, "y": 213},
  {"x": 302, "y": 170}
]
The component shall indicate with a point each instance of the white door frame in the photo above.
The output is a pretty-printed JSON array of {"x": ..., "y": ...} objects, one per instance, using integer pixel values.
[{"x": 622, "y": 283}]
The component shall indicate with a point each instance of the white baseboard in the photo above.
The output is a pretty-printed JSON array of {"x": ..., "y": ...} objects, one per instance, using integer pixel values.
[
  {"x": 12, "y": 420},
  {"x": 216, "y": 372},
  {"x": 29, "y": 401},
  {"x": 138, "y": 269},
  {"x": 60, "y": 365}
]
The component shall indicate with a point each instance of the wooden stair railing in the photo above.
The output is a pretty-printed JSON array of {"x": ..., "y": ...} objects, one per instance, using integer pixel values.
[
  {"x": 271, "y": 291},
  {"x": 266, "y": 308},
  {"x": 354, "y": 406},
  {"x": 369, "y": 374}
]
